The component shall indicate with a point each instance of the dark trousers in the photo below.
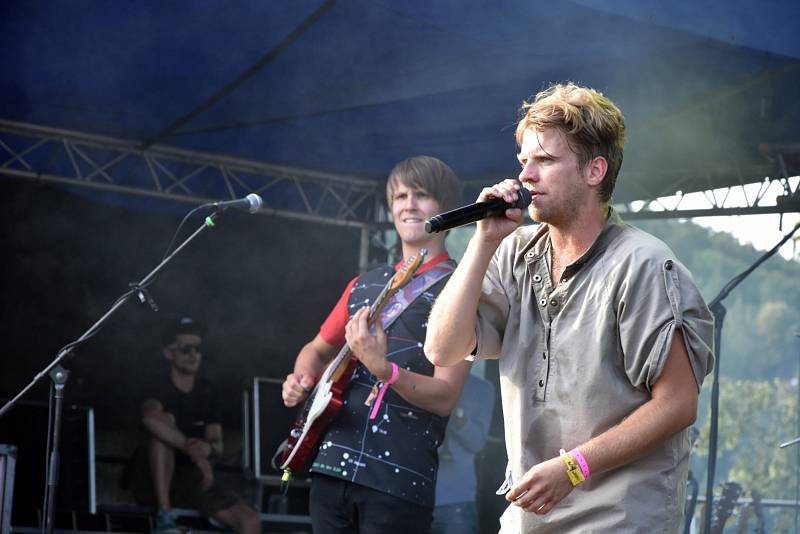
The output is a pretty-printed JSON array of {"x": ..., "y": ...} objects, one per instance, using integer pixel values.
[{"x": 339, "y": 507}]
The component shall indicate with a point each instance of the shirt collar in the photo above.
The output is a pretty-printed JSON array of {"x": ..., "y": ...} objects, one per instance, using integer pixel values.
[
  {"x": 611, "y": 229},
  {"x": 441, "y": 257}
]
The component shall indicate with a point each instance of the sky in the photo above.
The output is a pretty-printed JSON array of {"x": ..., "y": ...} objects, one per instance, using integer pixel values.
[{"x": 761, "y": 231}]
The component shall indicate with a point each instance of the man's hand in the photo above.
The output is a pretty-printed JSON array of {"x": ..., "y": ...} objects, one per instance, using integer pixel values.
[
  {"x": 494, "y": 229},
  {"x": 369, "y": 348},
  {"x": 206, "y": 472},
  {"x": 197, "y": 448},
  {"x": 542, "y": 487},
  {"x": 199, "y": 451},
  {"x": 296, "y": 388}
]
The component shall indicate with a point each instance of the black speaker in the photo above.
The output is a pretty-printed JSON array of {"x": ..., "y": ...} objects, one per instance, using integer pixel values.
[
  {"x": 25, "y": 427},
  {"x": 8, "y": 460}
]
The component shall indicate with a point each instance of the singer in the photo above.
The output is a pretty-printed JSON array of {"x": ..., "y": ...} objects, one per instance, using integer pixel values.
[
  {"x": 602, "y": 336},
  {"x": 389, "y": 485}
]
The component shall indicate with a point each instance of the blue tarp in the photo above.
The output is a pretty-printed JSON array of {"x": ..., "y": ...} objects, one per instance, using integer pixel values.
[{"x": 368, "y": 83}]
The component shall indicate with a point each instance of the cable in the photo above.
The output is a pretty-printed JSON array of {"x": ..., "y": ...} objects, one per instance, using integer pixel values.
[{"x": 178, "y": 230}]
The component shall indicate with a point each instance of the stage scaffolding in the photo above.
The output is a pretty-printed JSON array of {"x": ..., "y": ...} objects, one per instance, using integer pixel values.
[{"x": 127, "y": 167}]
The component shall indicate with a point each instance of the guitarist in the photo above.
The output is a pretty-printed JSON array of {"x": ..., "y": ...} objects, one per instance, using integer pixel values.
[{"x": 378, "y": 475}]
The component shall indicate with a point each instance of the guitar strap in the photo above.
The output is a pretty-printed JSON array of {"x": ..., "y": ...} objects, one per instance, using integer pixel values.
[{"x": 401, "y": 300}]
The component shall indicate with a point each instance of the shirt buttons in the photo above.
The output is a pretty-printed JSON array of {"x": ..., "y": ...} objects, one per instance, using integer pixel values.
[
  {"x": 544, "y": 355},
  {"x": 541, "y": 383},
  {"x": 537, "y": 278},
  {"x": 553, "y": 302},
  {"x": 543, "y": 302},
  {"x": 668, "y": 265}
]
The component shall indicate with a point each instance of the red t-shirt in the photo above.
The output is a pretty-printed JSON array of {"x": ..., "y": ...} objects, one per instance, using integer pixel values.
[{"x": 332, "y": 330}]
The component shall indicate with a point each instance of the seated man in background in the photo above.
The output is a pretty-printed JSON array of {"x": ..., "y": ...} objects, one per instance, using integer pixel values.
[{"x": 180, "y": 414}]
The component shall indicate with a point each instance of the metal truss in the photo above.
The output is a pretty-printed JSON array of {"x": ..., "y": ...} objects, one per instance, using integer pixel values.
[
  {"x": 771, "y": 195},
  {"x": 123, "y": 166},
  {"x": 110, "y": 164}
]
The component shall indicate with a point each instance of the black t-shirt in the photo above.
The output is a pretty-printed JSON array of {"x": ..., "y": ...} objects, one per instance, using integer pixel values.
[{"x": 193, "y": 410}]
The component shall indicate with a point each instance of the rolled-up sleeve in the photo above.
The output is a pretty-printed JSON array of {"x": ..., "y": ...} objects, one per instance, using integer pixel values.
[{"x": 656, "y": 299}]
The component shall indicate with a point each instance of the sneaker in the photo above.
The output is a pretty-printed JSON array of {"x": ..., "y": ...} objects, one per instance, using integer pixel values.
[{"x": 165, "y": 522}]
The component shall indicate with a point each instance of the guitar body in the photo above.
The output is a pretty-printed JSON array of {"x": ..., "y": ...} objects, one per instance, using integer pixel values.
[{"x": 321, "y": 407}]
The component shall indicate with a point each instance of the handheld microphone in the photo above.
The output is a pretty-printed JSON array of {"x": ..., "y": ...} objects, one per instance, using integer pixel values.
[
  {"x": 475, "y": 212},
  {"x": 251, "y": 203}
]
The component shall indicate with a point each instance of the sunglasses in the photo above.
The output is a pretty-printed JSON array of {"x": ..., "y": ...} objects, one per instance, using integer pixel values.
[{"x": 186, "y": 348}]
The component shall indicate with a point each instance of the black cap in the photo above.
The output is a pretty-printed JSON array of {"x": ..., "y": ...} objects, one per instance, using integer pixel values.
[{"x": 182, "y": 324}]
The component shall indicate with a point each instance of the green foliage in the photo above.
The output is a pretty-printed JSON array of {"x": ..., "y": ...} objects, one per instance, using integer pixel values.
[{"x": 755, "y": 417}]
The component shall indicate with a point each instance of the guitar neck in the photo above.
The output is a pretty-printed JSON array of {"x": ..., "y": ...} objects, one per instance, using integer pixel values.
[{"x": 337, "y": 365}]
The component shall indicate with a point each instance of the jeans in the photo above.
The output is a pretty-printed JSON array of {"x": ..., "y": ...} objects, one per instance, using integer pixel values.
[
  {"x": 338, "y": 506},
  {"x": 458, "y": 518}
]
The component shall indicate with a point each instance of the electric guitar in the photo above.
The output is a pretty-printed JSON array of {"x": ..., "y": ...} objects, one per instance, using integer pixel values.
[{"x": 327, "y": 397}]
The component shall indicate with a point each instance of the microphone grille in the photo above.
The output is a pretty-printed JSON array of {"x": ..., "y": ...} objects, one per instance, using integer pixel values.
[
  {"x": 256, "y": 202},
  {"x": 523, "y": 198}
]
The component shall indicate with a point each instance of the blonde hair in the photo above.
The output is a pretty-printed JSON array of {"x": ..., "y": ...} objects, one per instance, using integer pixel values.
[
  {"x": 593, "y": 126},
  {"x": 430, "y": 174}
]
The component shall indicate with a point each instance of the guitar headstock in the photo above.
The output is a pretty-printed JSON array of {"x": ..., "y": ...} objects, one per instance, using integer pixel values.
[
  {"x": 406, "y": 272},
  {"x": 731, "y": 491}
]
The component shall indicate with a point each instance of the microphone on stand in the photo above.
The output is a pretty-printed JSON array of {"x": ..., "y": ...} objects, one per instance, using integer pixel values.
[
  {"x": 475, "y": 212},
  {"x": 251, "y": 203}
]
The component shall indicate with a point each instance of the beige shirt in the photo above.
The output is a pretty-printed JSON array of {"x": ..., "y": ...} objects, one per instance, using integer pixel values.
[{"x": 577, "y": 358}]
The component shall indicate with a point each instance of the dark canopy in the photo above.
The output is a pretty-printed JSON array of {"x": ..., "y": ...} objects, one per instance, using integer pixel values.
[{"x": 353, "y": 86}]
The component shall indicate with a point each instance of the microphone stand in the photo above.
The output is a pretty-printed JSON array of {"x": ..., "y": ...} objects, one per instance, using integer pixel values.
[
  {"x": 58, "y": 375},
  {"x": 719, "y": 311}
]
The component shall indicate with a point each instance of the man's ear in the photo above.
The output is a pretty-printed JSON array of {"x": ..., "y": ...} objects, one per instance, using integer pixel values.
[
  {"x": 167, "y": 354},
  {"x": 596, "y": 171}
]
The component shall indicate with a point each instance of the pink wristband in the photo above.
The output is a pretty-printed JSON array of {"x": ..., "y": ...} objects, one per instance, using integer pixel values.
[
  {"x": 395, "y": 372},
  {"x": 575, "y": 453}
]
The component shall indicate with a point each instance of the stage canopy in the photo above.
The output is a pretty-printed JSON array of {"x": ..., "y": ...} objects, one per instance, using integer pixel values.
[{"x": 311, "y": 102}]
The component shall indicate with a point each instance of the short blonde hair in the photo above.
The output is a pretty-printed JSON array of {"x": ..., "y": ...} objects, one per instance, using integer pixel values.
[
  {"x": 430, "y": 174},
  {"x": 593, "y": 125}
]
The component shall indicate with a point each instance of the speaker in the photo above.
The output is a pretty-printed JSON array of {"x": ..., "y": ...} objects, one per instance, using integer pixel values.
[
  {"x": 25, "y": 428},
  {"x": 8, "y": 460}
]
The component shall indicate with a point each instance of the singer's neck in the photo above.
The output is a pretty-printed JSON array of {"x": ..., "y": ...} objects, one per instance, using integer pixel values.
[
  {"x": 434, "y": 248},
  {"x": 571, "y": 238}
]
